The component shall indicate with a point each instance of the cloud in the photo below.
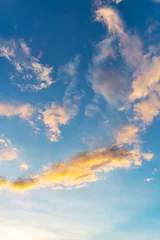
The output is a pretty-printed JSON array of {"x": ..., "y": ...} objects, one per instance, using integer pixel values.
[
  {"x": 141, "y": 66},
  {"x": 129, "y": 45},
  {"x": 119, "y": 46},
  {"x": 117, "y": 1},
  {"x": 26, "y": 66},
  {"x": 149, "y": 179},
  {"x": 24, "y": 111},
  {"x": 110, "y": 84},
  {"x": 83, "y": 168},
  {"x": 128, "y": 134},
  {"x": 112, "y": 20},
  {"x": 7, "y": 152},
  {"x": 69, "y": 73},
  {"x": 146, "y": 77},
  {"x": 24, "y": 166},
  {"x": 54, "y": 116},
  {"x": 156, "y": 1},
  {"x": 91, "y": 110},
  {"x": 104, "y": 50},
  {"x": 147, "y": 110}
]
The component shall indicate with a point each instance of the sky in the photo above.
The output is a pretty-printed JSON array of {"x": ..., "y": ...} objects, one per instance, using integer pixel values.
[{"x": 79, "y": 119}]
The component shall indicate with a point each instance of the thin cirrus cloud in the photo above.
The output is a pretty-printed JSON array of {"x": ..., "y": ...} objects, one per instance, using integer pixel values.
[
  {"x": 7, "y": 152},
  {"x": 82, "y": 169},
  {"x": 26, "y": 66}
]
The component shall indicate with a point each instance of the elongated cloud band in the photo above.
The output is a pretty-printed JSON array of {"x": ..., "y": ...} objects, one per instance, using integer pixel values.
[{"x": 82, "y": 169}]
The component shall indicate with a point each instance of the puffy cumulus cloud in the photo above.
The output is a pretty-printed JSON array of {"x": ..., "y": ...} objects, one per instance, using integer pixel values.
[
  {"x": 128, "y": 134},
  {"x": 27, "y": 67},
  {"x": 54, "y": 116},
  {"x": 7, "y": 152},
  {"x": 24, "y": 111},
  {"x": 148, "y": 109},
  {"x": 82, "y": 169}
]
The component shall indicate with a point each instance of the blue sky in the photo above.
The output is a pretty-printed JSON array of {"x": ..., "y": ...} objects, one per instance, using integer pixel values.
[{"x": 79, "y": 119}]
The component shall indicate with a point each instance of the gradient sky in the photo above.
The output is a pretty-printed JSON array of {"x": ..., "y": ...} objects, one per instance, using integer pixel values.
[{"x": 79, "y": 119}]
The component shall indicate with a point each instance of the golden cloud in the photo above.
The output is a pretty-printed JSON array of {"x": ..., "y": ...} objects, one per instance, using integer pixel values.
[{"x": 82, "y": 169}]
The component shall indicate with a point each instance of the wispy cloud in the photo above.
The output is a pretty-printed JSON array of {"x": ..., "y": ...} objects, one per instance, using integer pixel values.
[{"x": 27, "y": 67}]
